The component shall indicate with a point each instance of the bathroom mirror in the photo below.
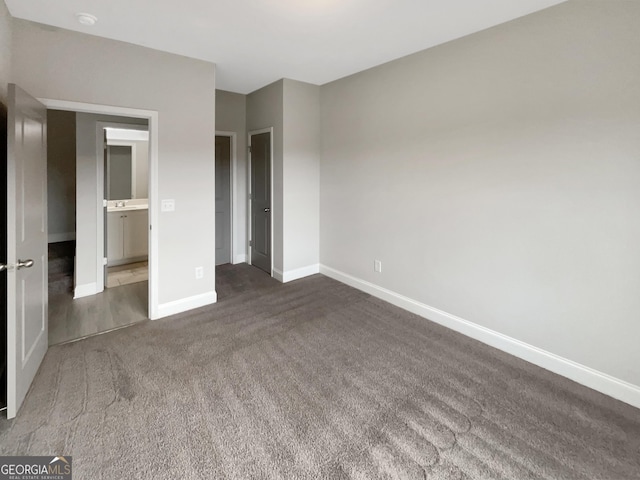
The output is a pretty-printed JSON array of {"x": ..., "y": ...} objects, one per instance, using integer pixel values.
[{"x": 126, "y": 164}]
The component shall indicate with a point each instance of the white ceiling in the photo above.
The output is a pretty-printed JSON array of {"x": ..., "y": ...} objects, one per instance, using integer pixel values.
[{"x": 255, "y": 42}]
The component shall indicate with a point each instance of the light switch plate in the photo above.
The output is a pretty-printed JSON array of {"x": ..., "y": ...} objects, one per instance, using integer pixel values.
[{"x": 168, "y": 205}]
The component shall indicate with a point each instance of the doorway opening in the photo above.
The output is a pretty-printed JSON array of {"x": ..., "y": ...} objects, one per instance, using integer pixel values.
[
  {"x": 260, "y": 199},
  {"x": 224, "y": 174},
  {"x": 126, "y": 191},
  {"x": 79, "y": 304}
]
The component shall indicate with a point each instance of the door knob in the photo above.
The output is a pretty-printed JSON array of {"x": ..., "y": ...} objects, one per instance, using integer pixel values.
[
  {"x": 2, "y": 267},
  {"x": 24, "y": 264},
  {"x": 267, "y": 210}
]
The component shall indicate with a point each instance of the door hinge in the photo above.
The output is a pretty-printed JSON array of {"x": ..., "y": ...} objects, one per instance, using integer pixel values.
[
  {"x": 104, "y": 261},
  {"x": 251, "y": 243},
  {"x": 249, "y": 147},
  {"x": 104, "y": 203}
]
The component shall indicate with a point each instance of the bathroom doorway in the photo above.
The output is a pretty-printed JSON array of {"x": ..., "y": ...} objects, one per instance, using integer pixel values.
[{"x": 126, "y": 220}]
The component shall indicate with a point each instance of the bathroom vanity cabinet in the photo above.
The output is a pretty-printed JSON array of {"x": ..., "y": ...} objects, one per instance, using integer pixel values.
[{"x": 127, "y": 236}]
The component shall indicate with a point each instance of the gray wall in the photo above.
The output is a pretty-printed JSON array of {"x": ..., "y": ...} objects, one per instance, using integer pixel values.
[
  {"x": 142, "y": 168},
  {"x": 231, "y": 116},
  {"x": 137, "y": 151},
  {"x": 61, "y": 175},
  {"x": 292, "y": 108},
  {"x": 265, "y": 109},
  {"x": 301, "y": 171},
  {"x": 6, "y": 27},
  {"x": 120, "y": 172},
  {"x": 496, "y": 177},
  {"x": 59, "y": 64}
]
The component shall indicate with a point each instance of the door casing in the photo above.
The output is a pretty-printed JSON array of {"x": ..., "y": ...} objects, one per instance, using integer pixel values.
[
  {"x": 268, "y": 130},
  {"x": 235, "y": 221}
]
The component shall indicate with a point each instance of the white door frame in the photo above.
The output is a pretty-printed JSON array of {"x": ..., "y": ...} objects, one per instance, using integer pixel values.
[
  {"x": 234, "y": 190},
  {"x": 154, "y": 233},
  {"x": 268, "y": 130}
]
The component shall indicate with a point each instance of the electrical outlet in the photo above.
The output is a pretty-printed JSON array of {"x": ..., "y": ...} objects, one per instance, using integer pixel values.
[
  {"x": 377, "y": 266},
  {"x": 168, "y": 205},
  {"x": 199, "y": 273}
]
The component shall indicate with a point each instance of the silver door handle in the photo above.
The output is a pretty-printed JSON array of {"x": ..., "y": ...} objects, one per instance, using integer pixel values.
[
  {"x": 24, "y": 264},
  {"x": 2, "y": 267},
  {"x": 267, "y": 210}
]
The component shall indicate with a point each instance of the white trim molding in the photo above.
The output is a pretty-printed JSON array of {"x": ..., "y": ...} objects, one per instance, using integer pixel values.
[
  {"x": 126, "y": 135},
  {"x": 185, "y": 304},
  {"x": 589, "y": 377},
  {"x": 233, "y": 191},
  {"x": 278, "y": 275},
  {"x": 241, "y": 258},
  {"x": 85, "y": 290},
  {"x": 291, "y": 275}
]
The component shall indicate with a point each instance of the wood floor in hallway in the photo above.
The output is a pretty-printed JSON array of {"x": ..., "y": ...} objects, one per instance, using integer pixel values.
[{"x": 116, "y": 307}]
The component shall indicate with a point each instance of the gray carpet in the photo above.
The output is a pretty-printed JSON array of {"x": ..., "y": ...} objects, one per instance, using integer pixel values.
[{"x": 313, "y": 379}]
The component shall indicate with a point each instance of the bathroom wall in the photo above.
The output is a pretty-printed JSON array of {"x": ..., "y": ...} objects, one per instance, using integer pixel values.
[
  {"x": 120, "y": 172},
  {"x": 142, "y": 169}
]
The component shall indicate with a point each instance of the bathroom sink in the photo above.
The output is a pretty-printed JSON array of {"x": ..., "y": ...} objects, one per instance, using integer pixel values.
[{"x": 127, "y": 208}]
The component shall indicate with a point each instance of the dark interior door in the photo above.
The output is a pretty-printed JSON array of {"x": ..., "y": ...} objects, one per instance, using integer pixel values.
[
  {"x": 223, "y": 200},
  {"x": 261, "y": 201}
]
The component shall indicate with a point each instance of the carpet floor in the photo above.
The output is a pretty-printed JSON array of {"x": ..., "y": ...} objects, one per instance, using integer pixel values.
[{"x": 312, "y": 380}]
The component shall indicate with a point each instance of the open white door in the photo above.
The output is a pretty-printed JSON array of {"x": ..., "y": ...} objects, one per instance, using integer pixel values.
[{"x": 27, "y": 321}]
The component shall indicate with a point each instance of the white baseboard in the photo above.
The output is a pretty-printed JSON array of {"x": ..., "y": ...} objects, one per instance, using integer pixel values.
[
  {"x": 125, "y": 261},
  {"x": 291, "y": 275},
  {"x": 242, "y": 258},
  {"x": 61, "y": 237},
  {"x": 85, "y": 290},
  {"x": 185, "y": 304},
  {"x": 602, "y": 382},
  {"x": 278, "y": 275}
]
